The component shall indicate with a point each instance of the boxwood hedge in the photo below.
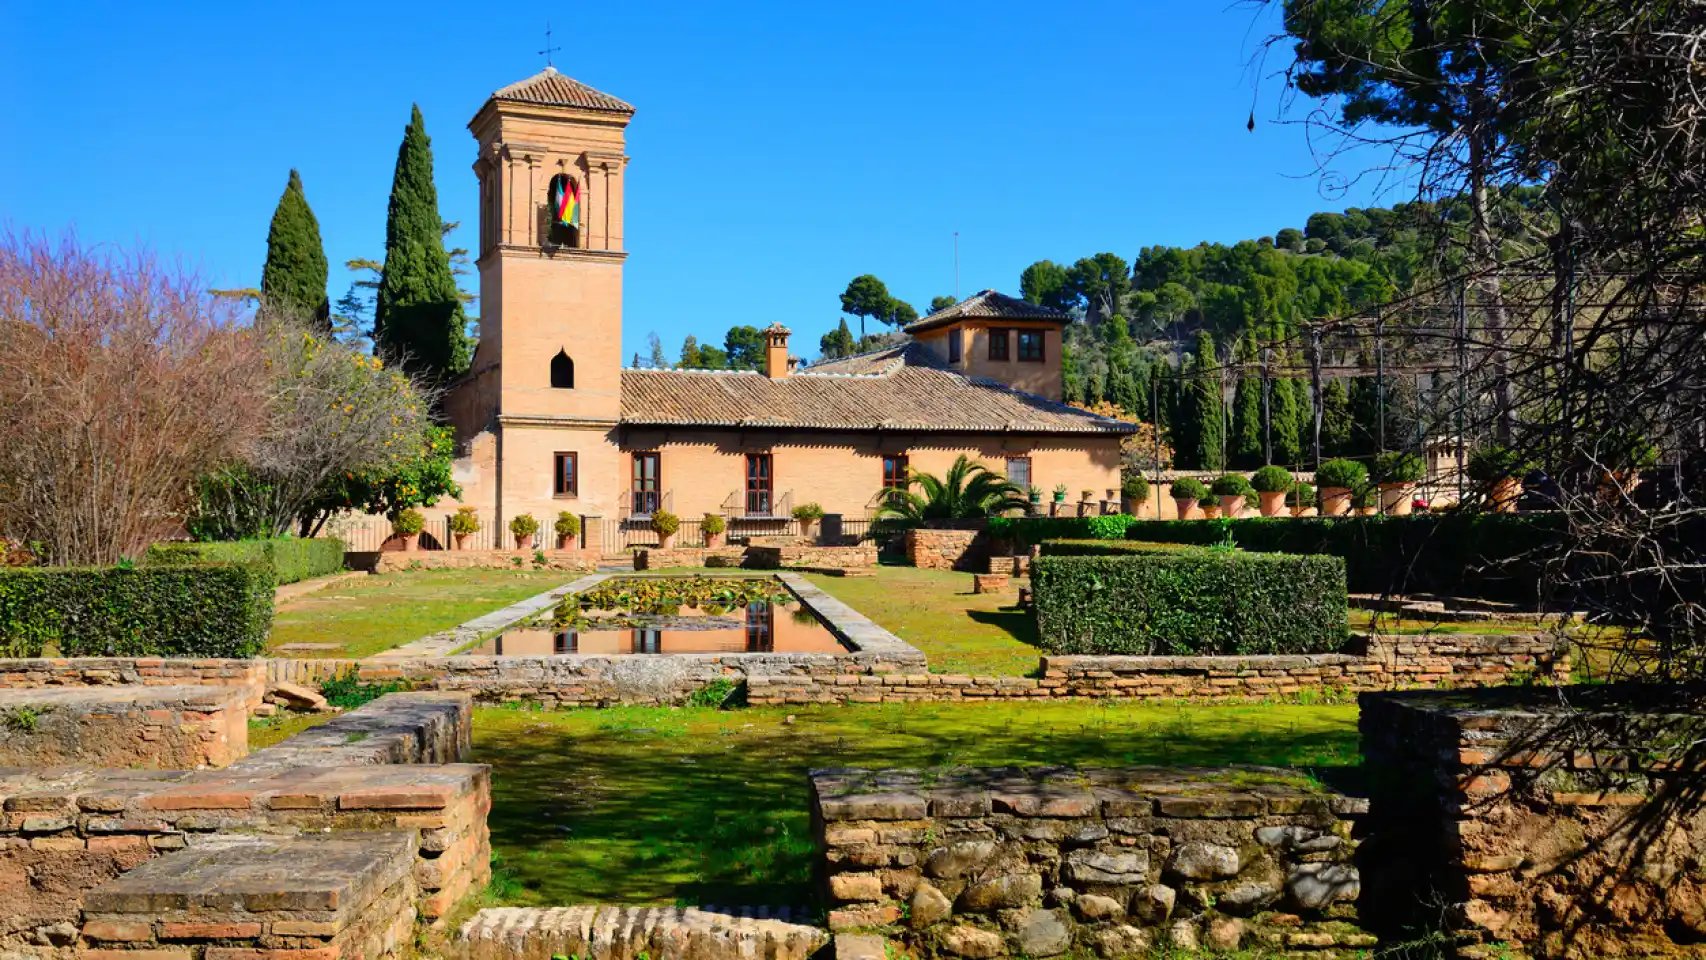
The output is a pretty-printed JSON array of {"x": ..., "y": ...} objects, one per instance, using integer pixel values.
[
  {"x": 291, "y": 558},
  {"x": 1027, "y": 531},
  {"x": 202, "y": 610},
  {"x": 1190, "y": 602}
]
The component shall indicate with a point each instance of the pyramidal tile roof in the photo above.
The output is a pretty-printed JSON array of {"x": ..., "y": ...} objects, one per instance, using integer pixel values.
[
  {"x": 553, "y": 89},
  {"x": 988, "y": 305}
]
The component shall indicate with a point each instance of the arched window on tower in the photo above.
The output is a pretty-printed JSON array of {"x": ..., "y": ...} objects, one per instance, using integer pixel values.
[
  {"x": 563, "y": 211},
  {"x": 562, "y": 371}
]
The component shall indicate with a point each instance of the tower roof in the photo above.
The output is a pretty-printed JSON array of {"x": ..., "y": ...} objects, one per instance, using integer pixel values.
[
  {"x": 553, "y": 89},
  {"x": 987, "y": 305}
]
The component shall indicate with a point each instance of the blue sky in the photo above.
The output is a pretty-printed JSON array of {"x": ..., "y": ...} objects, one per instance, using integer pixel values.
[{"x": 779, "y": 149}]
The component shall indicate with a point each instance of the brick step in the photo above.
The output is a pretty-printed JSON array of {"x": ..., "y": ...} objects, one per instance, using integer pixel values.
[
  {"x": 603, "y": 932},
  {"x": 339, "y": 895},
  {"x": 396, "y": 728}
]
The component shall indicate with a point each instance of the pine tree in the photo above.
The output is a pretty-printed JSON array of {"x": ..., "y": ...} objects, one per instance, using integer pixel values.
[
  {"x": 1247, "y": 445},
  {"x": 1205, "y": 409},
  {"x": 1335, "y": 420},
  {"x": 691, "y": 358},
  {"x": 837, "y": 343},
  {"x": 294, "y": 278},
  {"x": 418, "y": 318},
  {"x": 655, "y": 345}
]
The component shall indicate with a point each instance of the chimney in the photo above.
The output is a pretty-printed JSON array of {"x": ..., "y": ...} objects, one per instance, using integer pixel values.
[{"x": 776, "y": 351}]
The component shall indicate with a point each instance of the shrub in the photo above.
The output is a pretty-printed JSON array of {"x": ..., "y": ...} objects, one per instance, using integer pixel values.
[
  {"x": 1208, "y": 501},
  {"x": 808, "y": 512},
  {"x": 1271, "y": 479},
  {"x": 665, "y": 523},
  {"x": 713, "y": 524},
  {"x": 464, "y": 521},
  {"x": 289, "y": 558},
  {"x": 1398, "y": 467},
  {"x": 1300, "y": 495},
  {"x": 1230, "y": 485},
  {"x": 1190, "y": 601},
  {"x": 1346, "y": 474},
  {"x": 408, "y": 523},
  {"x": 1107, "y": 548},
  {"x": 1024, "y": 531},
  {"x": 1135, "y": 488},
  {"x": 201, "y": 610},
  {"x": 524, "y": 525},
  {"x": 567, "y": 525},
  {"x": 1489, "y": 465},
  {"x": 1188, "y": 488},
  {"x": 1367, "y": 495}
]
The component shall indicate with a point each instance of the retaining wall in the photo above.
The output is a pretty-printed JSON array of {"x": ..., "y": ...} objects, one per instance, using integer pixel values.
[
  {"x": 986, "y": 863},
  {"x": 169, "y": 728},
  {"x": 41, "y": 672},
  {"x": 931, "y": 549}
]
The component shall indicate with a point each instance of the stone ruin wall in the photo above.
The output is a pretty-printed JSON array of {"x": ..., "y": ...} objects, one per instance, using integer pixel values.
[
  {"x": 990, "y": 863},
  {"x": 159, "y": 728}
]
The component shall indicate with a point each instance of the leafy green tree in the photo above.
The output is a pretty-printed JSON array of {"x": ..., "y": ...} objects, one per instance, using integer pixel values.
[
  {"x": 1247, "y": 446},
  {"x": 968, "y": 491},
  {"x": 938, "y": 304},
  {"x": 294, "y": 277},
  {"x": 418, "y": 316},
  {"x": 837, "y": 343},
  {"x": 713, "y": 357},
  {"x": 866, "y": 297},
  {"x": 1203, "y": 410},
  {"x": 745, "y": 346},
  {"x": 901, "y": 313},
  {"x": 420, "y": 480},
  {"x": 658, "y": 360},
  {"x": 1100, "y": 283},
  {"x": 1045, "y": 283}
]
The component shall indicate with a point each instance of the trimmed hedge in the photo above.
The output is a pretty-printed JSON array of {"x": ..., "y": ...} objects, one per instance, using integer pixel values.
[
  {"x": 1190, "y": 602},
  {"x": 202, "y": 610},
  {"x": 291, "y": 558},
  {"x": 1107, "y": 548},
  {"x": 1462, "y": 554},
  {"x": 1033, "y": 530}
]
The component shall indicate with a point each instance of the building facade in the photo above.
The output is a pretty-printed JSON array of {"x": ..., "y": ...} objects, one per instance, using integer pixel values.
[{"x": 548, "y": 420}]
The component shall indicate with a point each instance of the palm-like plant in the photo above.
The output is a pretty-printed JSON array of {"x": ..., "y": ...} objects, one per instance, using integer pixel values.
[{"x": 968, "y": 491}]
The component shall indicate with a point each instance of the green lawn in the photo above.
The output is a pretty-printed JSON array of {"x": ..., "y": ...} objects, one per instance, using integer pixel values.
[
  {"x": 646, "y": 804},
  {"x": 366, "y": 616},
  {"x": 935, "y": 611}
]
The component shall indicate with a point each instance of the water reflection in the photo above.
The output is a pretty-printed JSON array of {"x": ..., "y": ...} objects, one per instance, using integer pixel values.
[{"x": 761, "y": 627}]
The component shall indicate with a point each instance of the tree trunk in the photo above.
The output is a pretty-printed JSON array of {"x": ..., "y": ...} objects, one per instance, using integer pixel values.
[{"x": 1484, "y": 259}]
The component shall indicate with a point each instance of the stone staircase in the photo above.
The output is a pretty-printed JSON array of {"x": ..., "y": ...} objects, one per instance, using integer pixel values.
[{"x": 602, "y": 932}]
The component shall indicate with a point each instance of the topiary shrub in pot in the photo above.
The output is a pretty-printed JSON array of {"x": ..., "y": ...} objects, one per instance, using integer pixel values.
[
  {"x": 522, "y": 528},
  {"x": 464, "y": 523},
  {"x": 1231, "y": 488},
  {"x": 666, "y": 524},
  {"x": 1366, "y": 500},
  {"x": 1272, "y": 484},
  {"x": 712, "y": 526},
  {"x": 1187, "y": 493},
  {"x": 1337, "y": 479},
  {"x": 1134, "y": 493},
  {"x": 1210, "y": 507},
  {"x": 408, "y": 526},
  {"x": 1300, "y": 498},
  {"x": 808, "y": 514},
  {"x": 1497, "y": 473},
  {"x": 568, "y": 527},
  {"x": 1397, "y": 474}
]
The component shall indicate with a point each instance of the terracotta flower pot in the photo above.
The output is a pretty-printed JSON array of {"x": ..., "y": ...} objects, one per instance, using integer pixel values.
[
  {"x": 1272, "y": 503},
  {"x": 1186, "y": 508},
  {"x": 1231, "y": 507},
  {"x": 1297, "y": 509},
  {"x": 1211, "y": 511},
  {"x": 713, "y": 540},
  {"x": 665, "y": 540},
  {"x": 566, "y": 543},
  {"x": 411, "y": 542},
  {"x": 1335, "y": 501},
  {"x": 460, "y": 540},
  {"x": 808, "y": 529},
  {"x": 1397, "y": 499},
  {"x": 524, "y": 542},
  {"x": 1505, "y": 494},
  {"x": 1367, "y": 511}
]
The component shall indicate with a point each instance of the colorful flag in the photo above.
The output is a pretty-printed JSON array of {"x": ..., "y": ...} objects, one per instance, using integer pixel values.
[{"x": 565, "y": 200}]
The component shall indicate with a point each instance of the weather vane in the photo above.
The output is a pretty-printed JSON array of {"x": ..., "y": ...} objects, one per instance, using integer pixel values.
[{"x": 546, "y": 53}]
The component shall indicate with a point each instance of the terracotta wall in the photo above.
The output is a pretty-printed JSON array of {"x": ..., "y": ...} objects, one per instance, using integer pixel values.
[{"x": 1042, "y": 379}]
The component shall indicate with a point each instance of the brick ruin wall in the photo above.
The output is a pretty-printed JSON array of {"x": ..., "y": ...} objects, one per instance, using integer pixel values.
[
  {"x": 1556, "y": 825},
  {"x": 41, "y": 672},
  {"x": 930, "y": 549},
  {"x": 989, "y": 863},
  {"x": 760, "y": 556},
  {"x": 160, "y": 728}
]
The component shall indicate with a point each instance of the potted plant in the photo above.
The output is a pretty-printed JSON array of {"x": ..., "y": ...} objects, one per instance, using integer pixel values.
[
  {"x": 1397, "y": 475},
  {"x": 464, "y": 523},
  {"x": 666, "y": 524},
  {"x": 713, "y": 526},
  {"x": 1336, "y": 480},
  {"x": 1231, "y": 488},
  {"x": 408, "y": 525},
  {"x": 1210, "y": 506},
  {"x": 1271, "y": 484},
  {"x": 568, "y": 527},
  {"x": 522, "y": 527},
  {"x": 1366, "y": 500},
  {"x": 1300, "y": 498},
  {"x": 1497, "y": 472},
  {"x": 1187, "y": 492},
  {"x": 808, "y": 514},
  {"x": 1035, "y": 493},
  {"x": 1059, "y": 499},
  {"x": 1134, "y": 491}
]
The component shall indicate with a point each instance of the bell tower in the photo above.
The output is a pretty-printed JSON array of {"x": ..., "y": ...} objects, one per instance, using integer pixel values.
[{"x": 551, "y": 167}]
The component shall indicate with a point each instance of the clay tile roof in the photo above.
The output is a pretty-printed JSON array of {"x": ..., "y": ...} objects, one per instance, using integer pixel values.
[
  {"x": 877, "y": 391},
  {"x": 550, "y": 88},
  {"x": 988, "y": 305}
]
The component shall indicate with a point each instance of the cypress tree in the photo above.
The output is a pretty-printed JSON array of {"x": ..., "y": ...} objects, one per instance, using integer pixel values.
[
  {"x": 1365, "y": 417},
  {"x": 1289, "y": 411},
  {"x": 1335, "y": 420},
  {"x": 1124, "y": 387},
  {"x": 294, "y": 277},
  {"x": 418, "y": 317},
  {"x": 1206, "y": 408},
  {"x": 1246, "y": 444}
]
